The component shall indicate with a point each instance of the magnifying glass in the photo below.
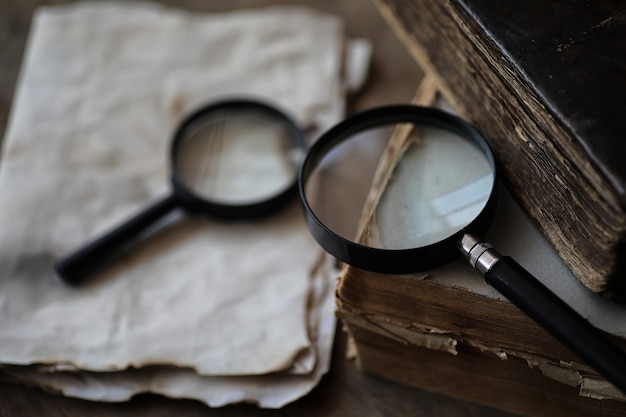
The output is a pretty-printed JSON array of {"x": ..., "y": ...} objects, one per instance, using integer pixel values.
[
  {"x": 439, "y": 198},
  {"x": 232, "y": 159}
]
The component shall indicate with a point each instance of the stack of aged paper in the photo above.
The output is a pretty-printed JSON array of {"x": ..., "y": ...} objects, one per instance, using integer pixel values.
[{"x": 220, "y": 312}]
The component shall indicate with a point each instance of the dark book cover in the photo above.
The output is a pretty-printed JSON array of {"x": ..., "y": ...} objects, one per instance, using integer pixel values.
[{"x": 545, "y": 82}]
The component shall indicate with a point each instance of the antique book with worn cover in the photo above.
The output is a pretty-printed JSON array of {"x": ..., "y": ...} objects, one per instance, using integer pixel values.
[
  {"x": 545, "y": 83},
  {"x": 446, "y": 330}
]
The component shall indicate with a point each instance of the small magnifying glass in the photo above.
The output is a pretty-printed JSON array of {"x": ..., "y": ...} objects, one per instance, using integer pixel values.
[
  {"x": 440, "y": 196},
  {"x": 232, "y": 159}
]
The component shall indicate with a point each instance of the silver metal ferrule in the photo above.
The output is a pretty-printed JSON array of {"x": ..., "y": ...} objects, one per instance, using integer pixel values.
[{"x": 479, "y": 254}]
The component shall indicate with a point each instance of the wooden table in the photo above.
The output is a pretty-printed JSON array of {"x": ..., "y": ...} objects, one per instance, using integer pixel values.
[{"x": 344, "y": 391}]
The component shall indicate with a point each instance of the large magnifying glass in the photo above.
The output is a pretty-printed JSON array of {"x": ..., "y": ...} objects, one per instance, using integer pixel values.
[
  {"x": 440, "y": 196},
  {"x": 232, "y": 159}
]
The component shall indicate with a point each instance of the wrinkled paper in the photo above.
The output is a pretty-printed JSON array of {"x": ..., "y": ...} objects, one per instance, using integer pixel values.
[
  {"x": 267, "y": 391},
  {"x": 199, "y": 303}
]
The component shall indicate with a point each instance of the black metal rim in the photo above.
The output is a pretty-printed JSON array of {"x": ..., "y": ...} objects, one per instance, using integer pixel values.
[
  {"x": 258, "y": 208},
  {"x": 396, "y": 261}
]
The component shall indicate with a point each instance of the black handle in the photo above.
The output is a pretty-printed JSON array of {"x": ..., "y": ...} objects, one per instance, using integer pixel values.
[
  {"x": 542, "y": 305},
  {"x": 75, "y": 267}
]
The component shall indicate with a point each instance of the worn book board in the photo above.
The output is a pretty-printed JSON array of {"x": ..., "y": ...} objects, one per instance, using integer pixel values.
[
  {"x": 545, "y": 83},
  {"x": 453, "y": 341},
  {"x": 463, "y": 377}
]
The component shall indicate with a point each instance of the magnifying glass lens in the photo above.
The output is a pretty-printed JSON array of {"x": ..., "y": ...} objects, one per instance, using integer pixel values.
[
  {"x": 237, "y": 156},
  {"x": 439, "y": 186},
  {"x": 337, "y": 188}
]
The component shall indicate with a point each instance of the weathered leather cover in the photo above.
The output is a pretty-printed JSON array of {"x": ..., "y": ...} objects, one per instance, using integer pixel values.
[
  {"x": 546, "y": 83},
  {"x": 574, "y": 55}
]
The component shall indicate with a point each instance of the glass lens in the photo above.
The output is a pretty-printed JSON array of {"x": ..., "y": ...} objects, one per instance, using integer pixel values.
[
  {"x": 434, "y": 187},
  {"x": 238, "y": 156},
  {"x": 338, "y": 188}
]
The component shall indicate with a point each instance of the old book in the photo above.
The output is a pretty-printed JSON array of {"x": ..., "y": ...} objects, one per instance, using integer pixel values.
[
  {"x": 435, "y": 332},
  {"x": 446, "y": 330},
  {"x": 544, "y": 82}
]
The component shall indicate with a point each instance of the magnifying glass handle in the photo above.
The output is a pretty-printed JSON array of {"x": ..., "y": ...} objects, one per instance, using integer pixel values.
[
  {"x": 76, "y": 267},
  {"x": 547, "y": 309}
]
